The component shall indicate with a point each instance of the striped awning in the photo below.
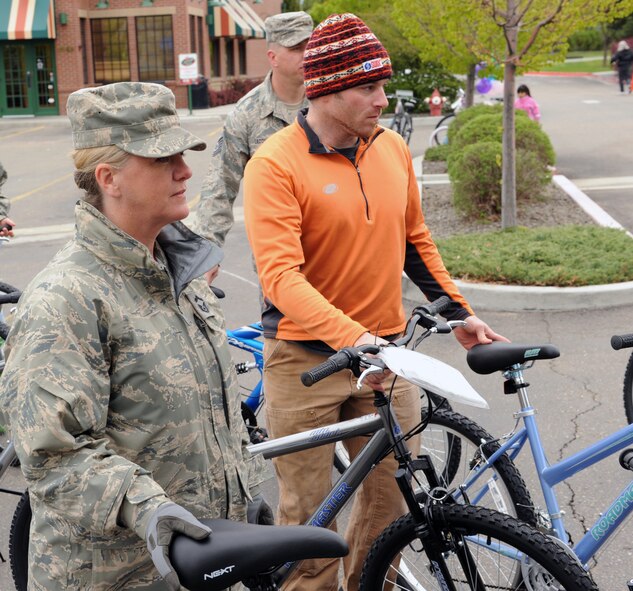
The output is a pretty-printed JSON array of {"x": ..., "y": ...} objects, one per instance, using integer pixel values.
[
  {"x": 27, "y": 19},
  {"x": 234, "y": 18}
]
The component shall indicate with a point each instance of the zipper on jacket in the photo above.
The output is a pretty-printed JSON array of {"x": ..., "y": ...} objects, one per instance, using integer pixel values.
[{"x": 362, "y": 190}]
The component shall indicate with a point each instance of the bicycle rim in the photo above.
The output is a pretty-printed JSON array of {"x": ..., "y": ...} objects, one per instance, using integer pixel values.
[
  {"x": 502, "y": 553},
  {"x": 457, "y": 450}
]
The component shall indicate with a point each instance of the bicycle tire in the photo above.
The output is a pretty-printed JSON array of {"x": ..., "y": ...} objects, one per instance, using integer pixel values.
[
  {"x": 455, "y": 444},
  {"x": 397, "y": 560},
  {"x": 19, "y": 542},
  {"x": 628, "y": 390},
  {"x": 407, "y": 128},
  {"x": 440, "y": 135}
]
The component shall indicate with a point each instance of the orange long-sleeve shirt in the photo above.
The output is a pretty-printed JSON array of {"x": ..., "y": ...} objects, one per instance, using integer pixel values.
[{"x": 331, "y": 238}]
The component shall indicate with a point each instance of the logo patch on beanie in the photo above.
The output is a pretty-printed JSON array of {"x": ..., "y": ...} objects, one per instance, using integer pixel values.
[{"x": 374, "y": 64}]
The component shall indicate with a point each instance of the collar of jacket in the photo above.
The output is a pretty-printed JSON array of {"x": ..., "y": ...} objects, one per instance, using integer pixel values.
[
  {"x": 269, "y": 103},
  {"x": 188, "y": 255},
  {"x": 316, "y": 147}
]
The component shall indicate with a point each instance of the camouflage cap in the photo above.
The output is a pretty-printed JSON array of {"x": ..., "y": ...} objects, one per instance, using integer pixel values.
[
  {"x": 138, "y": 117},
  {"x": 289, "y": 28}
]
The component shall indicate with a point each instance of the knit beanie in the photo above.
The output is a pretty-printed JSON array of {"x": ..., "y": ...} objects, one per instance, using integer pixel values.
[{"x": 342, "y": 53}]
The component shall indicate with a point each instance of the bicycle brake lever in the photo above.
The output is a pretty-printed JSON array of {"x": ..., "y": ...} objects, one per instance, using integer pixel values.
[{"x": 370, "y": 370}]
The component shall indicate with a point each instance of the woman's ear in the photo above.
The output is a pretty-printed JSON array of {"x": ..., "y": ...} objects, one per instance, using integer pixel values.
[{"x": 105, "y": 175}]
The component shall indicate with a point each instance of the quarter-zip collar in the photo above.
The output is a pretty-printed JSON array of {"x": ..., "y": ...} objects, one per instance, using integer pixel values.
[
  {"x": 188, "y": 255},
  {"x": 317, "y": 147}
]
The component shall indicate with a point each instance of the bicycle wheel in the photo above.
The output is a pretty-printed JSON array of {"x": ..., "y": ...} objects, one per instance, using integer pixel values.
[
  {"x": 628, "y": 390},
  {"x": 407, "y": 128},
  {"x": 504, "y": 553},
  {"x": 341, "y": 457},
  {"x": 459, "y": 448},
  {"x": 440, "y": 135},
  {"x": 19, "y": 542}
]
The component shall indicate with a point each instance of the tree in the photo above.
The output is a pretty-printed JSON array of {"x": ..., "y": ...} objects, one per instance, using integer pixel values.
[{"x": 511, "y": 34}]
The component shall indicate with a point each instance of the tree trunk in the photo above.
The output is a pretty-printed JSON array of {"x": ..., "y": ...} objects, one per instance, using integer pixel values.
[
  {"x": 508, "y": 158},
  {"x": 470, "y": 87}
]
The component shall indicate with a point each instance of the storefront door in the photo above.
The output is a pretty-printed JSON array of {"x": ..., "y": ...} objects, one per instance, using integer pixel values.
[{"x": 27, "y": 79}]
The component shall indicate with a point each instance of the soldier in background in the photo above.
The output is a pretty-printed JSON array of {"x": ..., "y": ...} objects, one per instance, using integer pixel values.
[
  {"x": 119, "y": 384},
  {"x": 264, "y": 110},
  {"x": 6, "y": 223}
]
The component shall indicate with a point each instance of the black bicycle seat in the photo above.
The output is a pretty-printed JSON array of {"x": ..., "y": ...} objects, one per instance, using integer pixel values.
[
  {"x": 497, "y": 356},
  {"x": 237, "y": 551}
]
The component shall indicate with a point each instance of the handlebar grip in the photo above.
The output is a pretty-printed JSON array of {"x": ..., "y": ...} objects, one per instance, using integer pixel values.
[
  {"x": 10, "y": 298},
  {"x": 6, "y": 227},
  {"x": 337, "y": 362},
  {"x": 626, "y": 459},
  {"x": 438, "y": 306},
  {"x": 622, "y": 341}
]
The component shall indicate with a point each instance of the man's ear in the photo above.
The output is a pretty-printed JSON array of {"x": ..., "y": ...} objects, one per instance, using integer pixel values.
[
  {"x": 271, "y": 54},
  {"x": 106, "y": 179}
]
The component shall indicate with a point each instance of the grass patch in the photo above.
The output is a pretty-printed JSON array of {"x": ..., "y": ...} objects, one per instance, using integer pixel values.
[
  {"x": 565, "y": 256},
  {"x": 576, "y": 65},
  {"x": 437, "y": 153}
]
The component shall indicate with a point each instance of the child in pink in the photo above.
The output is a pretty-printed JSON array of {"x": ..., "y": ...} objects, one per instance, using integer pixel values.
[{"x": 526, "y": 103}]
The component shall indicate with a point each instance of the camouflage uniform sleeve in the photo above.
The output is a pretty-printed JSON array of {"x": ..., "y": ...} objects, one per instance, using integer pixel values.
[
  {"x": 5, "y": 204},
  {"x": 214, "y": 216},
  {"x": 57, "y": 389}
]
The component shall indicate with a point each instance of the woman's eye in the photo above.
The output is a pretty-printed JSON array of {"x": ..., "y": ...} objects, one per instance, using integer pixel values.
[{"x": 163, "y": 160}]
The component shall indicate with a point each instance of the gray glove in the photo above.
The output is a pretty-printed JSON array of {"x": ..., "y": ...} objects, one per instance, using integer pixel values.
[
  {"x": 163, "y": 523},
  {"x": 259, "y": 511}
]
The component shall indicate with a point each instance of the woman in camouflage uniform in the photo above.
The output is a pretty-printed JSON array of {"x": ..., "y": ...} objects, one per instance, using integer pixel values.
[{"x": 119, "y": 383}]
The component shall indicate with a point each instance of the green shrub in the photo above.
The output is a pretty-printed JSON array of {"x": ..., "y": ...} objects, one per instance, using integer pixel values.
[
  {"x": 469, "y": 114},
  {"x": 475, "y": 173},
  {"x": 437, "y": 153},
  {"x": 528, "y": 135},
  {"x": 586, "y": 40}
]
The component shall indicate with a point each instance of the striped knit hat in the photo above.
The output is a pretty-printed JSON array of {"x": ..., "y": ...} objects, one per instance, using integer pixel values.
[{"x": 342, "y": 53}]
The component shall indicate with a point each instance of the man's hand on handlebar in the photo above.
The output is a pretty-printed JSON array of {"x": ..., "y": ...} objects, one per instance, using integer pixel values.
[
  {"x": 163, "y": 523},
  {"x": 373, "y": 380},
  {"x": 6, "y": 227},
  {"x": 476, "y": 332}
]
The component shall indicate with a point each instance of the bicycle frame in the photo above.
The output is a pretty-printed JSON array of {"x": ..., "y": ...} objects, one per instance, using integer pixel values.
[
  {"x": 552, "y": 474},
  {"x": 246, "y": 338},
  {"x": 6, "y": 458},
  {"x": 376, "y": 448}
]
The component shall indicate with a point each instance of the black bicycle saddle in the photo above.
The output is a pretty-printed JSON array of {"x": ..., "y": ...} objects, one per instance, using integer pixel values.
[
  {"x": 485, "y": 359},
  {"x": 237, "y": 551}
]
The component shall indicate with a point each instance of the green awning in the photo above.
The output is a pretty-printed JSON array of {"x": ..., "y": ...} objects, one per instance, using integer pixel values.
[{"x": 27, "y": 19}]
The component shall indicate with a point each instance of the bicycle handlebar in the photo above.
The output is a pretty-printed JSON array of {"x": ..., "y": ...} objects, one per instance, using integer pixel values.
[
  {"x": 622, "y": 341},
  {"x": 350, "y": 357}
]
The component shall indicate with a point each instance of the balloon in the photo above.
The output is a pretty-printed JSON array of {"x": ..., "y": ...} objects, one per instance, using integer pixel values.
[
  {"x": 480, "y": 66},
  {"x": 483, "y": 85}
]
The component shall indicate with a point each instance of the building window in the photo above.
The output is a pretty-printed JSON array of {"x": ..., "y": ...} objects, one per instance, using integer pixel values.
[
  {"x": 241, "y": 51},
  {"x": 216, "y": 69},
  {"x": 200, "y": 39},
  {"x": 110, "y": 52},
  {"x": 84, "y": 48},
  {"x": 230, "y": 57},
  {"x": 193, "y": 45},
  {"x": 155, "y": 46}
]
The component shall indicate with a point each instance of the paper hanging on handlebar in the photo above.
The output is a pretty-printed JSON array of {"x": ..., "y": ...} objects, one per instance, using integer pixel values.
[{"x": 427, "y": 372}]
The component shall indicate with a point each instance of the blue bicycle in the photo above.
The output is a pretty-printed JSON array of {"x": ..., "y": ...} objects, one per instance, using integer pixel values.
[{"x": 512, "y": 360}]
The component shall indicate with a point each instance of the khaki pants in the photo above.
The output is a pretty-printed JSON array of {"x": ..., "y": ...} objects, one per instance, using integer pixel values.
[{"x": 306, "y": 477}]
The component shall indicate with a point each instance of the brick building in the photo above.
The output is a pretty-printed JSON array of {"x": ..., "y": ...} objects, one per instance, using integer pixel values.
[{"x": 50, "y": 48}]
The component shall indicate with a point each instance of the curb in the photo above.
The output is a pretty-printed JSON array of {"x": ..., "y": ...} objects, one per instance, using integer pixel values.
[{"x": 514, "y": 298}]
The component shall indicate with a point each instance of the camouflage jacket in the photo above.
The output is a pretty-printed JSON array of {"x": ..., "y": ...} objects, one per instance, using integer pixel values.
[
  {"x": 5, "y": 204},
  {"x": 255, "y": 118},
  {"x": 121, "y": 391}
]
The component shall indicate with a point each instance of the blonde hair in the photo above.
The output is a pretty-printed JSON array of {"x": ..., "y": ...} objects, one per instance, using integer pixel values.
[{"x": 86, "y": 161}]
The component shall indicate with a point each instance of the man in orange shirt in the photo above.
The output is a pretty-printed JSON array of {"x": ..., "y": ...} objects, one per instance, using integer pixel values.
[{"x": 333, "y": 214}]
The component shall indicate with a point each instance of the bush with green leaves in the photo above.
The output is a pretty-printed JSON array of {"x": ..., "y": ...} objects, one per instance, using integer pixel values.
[
  {"x": 475, "y": 173},
  {"x": 590, "y": 39},
  {"x": 437, "y": 153},
  {"x": 468, "y": 115},
  {"x": 422, "y": 80}
]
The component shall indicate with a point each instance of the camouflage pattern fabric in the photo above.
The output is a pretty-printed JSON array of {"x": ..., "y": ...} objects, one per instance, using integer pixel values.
[
  {"x": 5, "y": 204},
  {"x": 255, "y": 118},
  {"x": 121, "y": 393},
  {"x": 138, "y": 117},
  {"x": 288, "y": 28}
]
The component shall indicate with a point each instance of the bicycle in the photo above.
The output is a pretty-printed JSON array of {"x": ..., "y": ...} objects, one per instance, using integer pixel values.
[
  {"x": 512, "y": 360},
  {"x": 439, "y": 136},
  {"x": 402, "y": 121},
  {"x": 460, "y": 541}
]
